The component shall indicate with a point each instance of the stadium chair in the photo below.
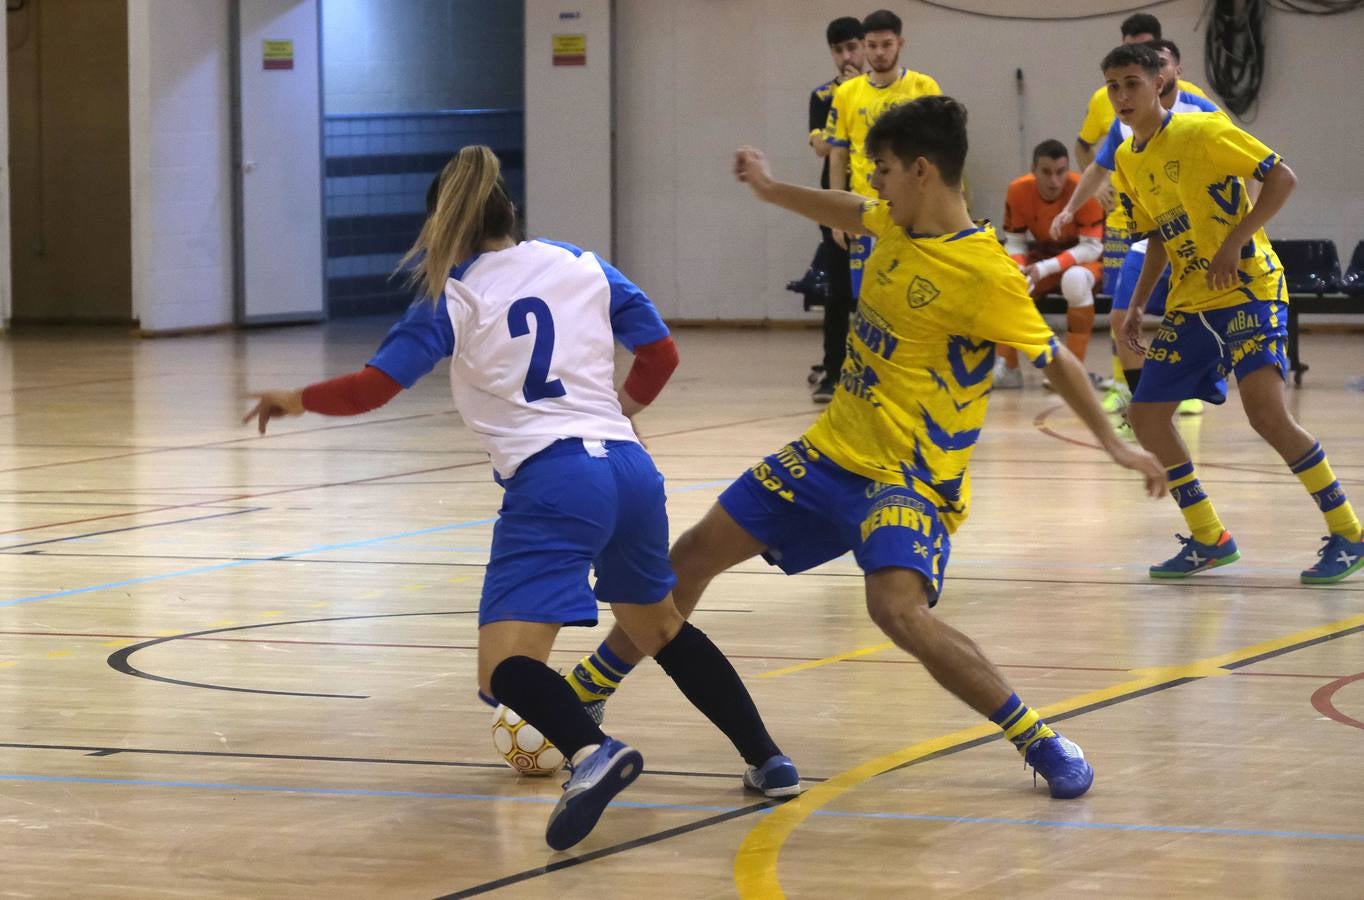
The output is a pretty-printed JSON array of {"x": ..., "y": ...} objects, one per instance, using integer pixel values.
[
  {"x": 1310, "y": 267},
  {"x": 1352, "y": 282}
]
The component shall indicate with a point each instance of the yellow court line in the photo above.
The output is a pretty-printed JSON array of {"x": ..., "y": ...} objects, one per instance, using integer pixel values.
[
  {"x": 815, "y": 663},
  {"x": 755, "y": 865}
]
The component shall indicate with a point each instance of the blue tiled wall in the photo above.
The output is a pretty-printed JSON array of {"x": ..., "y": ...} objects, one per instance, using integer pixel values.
[{"x": 377, "y": 171}]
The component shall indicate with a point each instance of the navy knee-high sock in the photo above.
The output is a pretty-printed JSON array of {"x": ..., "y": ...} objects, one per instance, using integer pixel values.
[
  {"x": 709, "y": 681},
  {"x": 540, "y": 695}
]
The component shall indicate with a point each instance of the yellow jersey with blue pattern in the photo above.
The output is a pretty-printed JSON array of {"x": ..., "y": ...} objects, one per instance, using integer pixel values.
[
  {"x": 1099, "y": 116},
  {"x": 857, "y": 105},
  {"x": 1184, "y": 187},
  {"x": 912, "y": 394}
]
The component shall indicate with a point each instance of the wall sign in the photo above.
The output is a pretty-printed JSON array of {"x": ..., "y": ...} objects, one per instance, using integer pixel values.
[
  {"x": 570, "y": 49},
  {"x": 277, "y": 54}
]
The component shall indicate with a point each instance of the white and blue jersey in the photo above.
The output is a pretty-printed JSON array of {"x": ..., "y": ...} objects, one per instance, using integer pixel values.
[
  {"x": 530, "y": 333},
  {"x": 1130, "y": 270}
]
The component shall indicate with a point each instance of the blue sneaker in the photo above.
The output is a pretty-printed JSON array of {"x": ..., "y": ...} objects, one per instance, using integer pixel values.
[
  {"x": 1062, "y": 764},
  {"x": 775, "y": 778},
  {"x": 1340, "y": 558},
  {"x": 1197, "y": 557},
  {"x": 605, "y": 773}
]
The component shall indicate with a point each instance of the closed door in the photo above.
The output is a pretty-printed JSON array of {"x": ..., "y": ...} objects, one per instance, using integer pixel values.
[{"x": 280, "y": 237}]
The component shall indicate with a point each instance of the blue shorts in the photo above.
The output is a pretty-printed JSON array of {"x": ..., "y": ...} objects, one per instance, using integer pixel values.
[
  {"x": 808, "y": 511},
  {"x": 570, "y": 507},
  {"x": 859, "y": 248},
  {"x": 1193, "y": 353},
  {"x": 1127, "y": 283},
  {"x": 1117, "y": 241}
]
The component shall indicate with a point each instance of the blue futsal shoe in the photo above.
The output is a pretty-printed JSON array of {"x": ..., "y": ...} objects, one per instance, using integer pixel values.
[
  {"x": 775, "y": 778},
  {"x": 605, "y": 773},
  {"x": 1195, "y": 557},
  {"x": 1061, "y": 763},
  {"x": 1340, "y": 558}
]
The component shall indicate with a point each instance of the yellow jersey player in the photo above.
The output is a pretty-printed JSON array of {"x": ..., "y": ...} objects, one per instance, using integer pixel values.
[
  {"x": 1140, "y": 28},
  {"x": 1180, "y": 180},
  {"x": 857, "y": 104},
  {"x": 883, "y": 472}
]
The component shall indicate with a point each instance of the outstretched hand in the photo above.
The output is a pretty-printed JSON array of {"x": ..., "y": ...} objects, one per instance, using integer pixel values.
[
  {"x": 1130, "y": 333},
  {"x": 274, "y": 405},
  {"x": 1138, "y": 460},
  {"x": 1059, "y": 223},
  {"x": 750, "y": 167}
]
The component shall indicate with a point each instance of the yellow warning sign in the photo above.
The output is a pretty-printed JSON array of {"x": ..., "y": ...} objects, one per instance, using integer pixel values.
[
  {"x": 570, "y": 49},
  {"x": 277, "y": 54}
]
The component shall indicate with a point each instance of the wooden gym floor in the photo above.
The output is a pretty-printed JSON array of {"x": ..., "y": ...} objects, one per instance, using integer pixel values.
[{"x": 234, "y": 666}]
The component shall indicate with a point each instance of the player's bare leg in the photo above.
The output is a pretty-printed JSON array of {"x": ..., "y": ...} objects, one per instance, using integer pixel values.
[{"x": 897, "y": 600}]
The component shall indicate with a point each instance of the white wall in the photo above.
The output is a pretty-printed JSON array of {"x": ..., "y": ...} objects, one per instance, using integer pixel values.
[
  {"x": 695, "y": 78},
  {"x": 568, "y": 126},
  {"x": 180, "y": 141},
  {"x": 389, "y": 56}
]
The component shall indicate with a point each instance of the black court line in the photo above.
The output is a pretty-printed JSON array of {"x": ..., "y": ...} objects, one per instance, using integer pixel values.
[
  {"x": 90, "y": 534},
  {"x": 946, "y": 751},
  {"x": 1187, "y": 584},
  {"x": 610, "y": 851},
  {"x": 118, "y": 660},
  {"x": 94, "y": 750}
]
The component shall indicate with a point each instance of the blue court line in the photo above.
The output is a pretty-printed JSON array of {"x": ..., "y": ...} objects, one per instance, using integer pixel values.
[
  {"x": 200, "y": 570},
  {"x": 325, "y": 548},
  {"x": 685, "y": 807}
]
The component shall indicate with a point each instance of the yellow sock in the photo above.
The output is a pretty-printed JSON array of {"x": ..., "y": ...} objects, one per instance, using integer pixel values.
[
  {"x": 1193, "y": 502},
  {"x": 1314, "y": 471},
  {"x": 597, "y": 675},
  {"x": 1118, "y": 376},
  {"x": 1022, "y": 726}
]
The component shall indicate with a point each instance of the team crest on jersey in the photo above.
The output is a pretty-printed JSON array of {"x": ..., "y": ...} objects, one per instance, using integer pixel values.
[
  {"x": 1172, "y": 170},
  {"x": 921, "y": 292}
]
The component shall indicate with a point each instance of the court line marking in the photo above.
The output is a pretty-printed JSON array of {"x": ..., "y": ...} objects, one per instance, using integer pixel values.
[
  {"x": 1205, "y": 582},
  {"x": 200, "y": 570},
  {"x": 1322, "y": 702},
  {"x": 755, "y": 864},
  {"x": 551, "y": 800},
  {"x": 325, "y": 548},
  {"x": 106, "y": 751},
  {"x": 1040, "y": 423},
  {"x": 837, "y": 657},
  {"x": 90, "y": 534}
]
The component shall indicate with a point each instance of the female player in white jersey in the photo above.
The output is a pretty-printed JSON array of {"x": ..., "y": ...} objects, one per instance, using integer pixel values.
[{"x": 530, "y": 330}]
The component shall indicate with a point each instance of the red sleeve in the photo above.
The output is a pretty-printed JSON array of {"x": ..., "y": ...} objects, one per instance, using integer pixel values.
[
  {"x": 350, "y": 395},
  {"x": 654, "y": 365}
]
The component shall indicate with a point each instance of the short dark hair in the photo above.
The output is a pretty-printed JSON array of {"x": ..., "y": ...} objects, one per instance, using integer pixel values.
[
  {"x": 1141, "y": 23},
  {"x": 1162, "y": 44},
  {"x": 1132, "y": 55},
  {"x": 881, "y": 20},
  {"x": 844, "y": 28},
  {"x": 932, "y": 127},
  {"x": 1051, "y": 148}
]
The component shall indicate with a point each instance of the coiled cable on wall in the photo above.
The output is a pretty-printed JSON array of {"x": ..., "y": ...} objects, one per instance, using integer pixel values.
[{"x": 1235, "y": 52}]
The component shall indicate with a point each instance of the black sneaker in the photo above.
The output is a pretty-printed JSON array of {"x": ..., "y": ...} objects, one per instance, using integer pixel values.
[{"x": 825, "y": 392}]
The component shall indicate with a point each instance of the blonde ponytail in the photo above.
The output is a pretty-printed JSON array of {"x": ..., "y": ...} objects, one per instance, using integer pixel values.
[{"x": 471, "y": 207}]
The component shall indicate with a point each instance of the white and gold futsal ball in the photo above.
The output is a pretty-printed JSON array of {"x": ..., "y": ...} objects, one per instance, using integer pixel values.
[{"x": 522, "y": 747}]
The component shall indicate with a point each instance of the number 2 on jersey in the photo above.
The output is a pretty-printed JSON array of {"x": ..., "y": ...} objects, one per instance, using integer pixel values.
[{"x": 537, "y": 385}]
